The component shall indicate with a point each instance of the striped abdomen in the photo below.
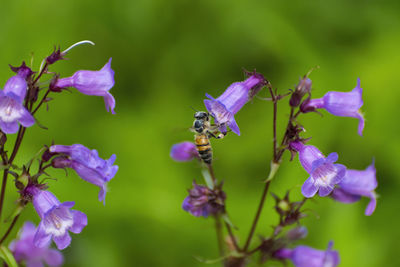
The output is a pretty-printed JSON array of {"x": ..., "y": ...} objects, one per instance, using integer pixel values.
[{"x": 204, "y": 148}]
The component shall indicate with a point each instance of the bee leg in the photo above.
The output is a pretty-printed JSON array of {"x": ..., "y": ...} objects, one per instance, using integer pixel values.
[{"x": 220, "y": 136}]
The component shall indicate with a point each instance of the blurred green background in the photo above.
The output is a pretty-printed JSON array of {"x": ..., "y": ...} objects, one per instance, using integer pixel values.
[{"x": 166, "y": 56}]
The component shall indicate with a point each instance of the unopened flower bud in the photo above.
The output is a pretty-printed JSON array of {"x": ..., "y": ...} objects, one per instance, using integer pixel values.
[
  {"x": 303, "y": 88},
  {"x": 61, "y": 162},
  {"x": 297, "y": 233}
]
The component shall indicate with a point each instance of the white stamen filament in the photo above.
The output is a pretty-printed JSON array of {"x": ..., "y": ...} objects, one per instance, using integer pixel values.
[{"x": 77, "y": 44}]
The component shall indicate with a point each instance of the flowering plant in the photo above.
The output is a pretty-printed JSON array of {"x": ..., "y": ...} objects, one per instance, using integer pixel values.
[
  {"x": 22, "y": 96},
  {"x": 326, "y": 178}
]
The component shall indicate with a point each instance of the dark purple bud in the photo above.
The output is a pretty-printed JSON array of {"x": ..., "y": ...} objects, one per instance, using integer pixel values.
[
  {"x": 61, "y": 162},
  {"x": 23, "y": 71},
  {"x": 53, "y": 85},
  {"x": 297, "y": 233},
  {"x": 55, "y": 56},
  {"x": 303, "y": 88},
  {"x": 47, "y": 155},
  {"x": 203, "y": 201}
]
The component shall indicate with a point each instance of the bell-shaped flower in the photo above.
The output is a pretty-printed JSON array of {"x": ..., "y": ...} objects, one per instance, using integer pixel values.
[
  {"x": 12, "y": 97},
  {"x": 87, "y": 164},
  {"x": 184, "y": 151},
  {"x": 303, "y": 256},
  {"x": 203, "y": 201},
  {"x": 56, "y": 219},
  {"x": 232, "y": 100},
  {"x": 355, "y": 184},
  {"x": 324, "y": 175},
  {"x": 24, "y": 249},
  {"x": 92, "y": 83},
  {"x": 343, "y": 104}
]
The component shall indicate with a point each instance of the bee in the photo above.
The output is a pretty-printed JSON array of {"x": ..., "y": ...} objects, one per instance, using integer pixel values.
[{"x": 204, "y": 130}]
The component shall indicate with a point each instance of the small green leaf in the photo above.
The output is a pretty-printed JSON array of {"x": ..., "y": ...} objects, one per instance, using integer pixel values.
[
  {"x": 225, "y": 217},
  {"x": 3, "y": 167},
  {"x": 7, "y": 256},
  {"x": 207, "y": 178},
  {"x": 17, "y": 211}
]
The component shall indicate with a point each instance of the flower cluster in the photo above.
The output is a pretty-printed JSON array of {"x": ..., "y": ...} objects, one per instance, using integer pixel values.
[
  {"x": 326, "y": 177},
  {"x": 20, "y": 99}
]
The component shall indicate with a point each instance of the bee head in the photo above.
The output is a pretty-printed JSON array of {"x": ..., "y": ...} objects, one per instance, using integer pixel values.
[{"x": 201, "y": 115}]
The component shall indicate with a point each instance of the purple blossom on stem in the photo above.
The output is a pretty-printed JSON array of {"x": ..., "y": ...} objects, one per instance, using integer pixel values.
[
  {"x": 343, "y": 104},
  {"x": 87, "y": 164},
  {"x": 324, "y": 175},
  {"x": 232, "y": 100},
  {"x": 203, "y": 201},
  {"x": 303, "y": 256},
  {"x": 355, "y": 184},
  {"x": 92, "y": 83},
  {"x": 12, "y": 97},
  {"x": 57, "y": 219},
  {"x": 184, "y": 151},
  {"x": 24, "y": 249}
]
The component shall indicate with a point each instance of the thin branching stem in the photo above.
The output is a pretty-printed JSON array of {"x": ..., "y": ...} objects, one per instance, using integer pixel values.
[{"x": 9, "y": 229}]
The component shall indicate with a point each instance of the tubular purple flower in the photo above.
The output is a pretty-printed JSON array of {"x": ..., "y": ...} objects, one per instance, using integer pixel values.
[
  {"x": 184, "y": 151},
  {"x": 324, "y": 175},
  {"x": 57, "y": 219},
  {"x": 303, "y": 256},
  {"x": 12, "y": 109},
  {"x": 355, "y": 184},
  {"x": 24, "y": 249},
  {"x": 232, "y": 100},
  {"x": 92, "y": 83},
  {"x": 343, "y": 104},
  {"x": 203, "y": 201},
  {"x": 87, "y": 164}
]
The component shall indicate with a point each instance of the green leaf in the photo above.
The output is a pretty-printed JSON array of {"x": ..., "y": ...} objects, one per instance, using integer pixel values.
[
  {"x": 207, "y": 178},
  {"x": 7, "y": 256},
  {"x": 225, "y": 217}
]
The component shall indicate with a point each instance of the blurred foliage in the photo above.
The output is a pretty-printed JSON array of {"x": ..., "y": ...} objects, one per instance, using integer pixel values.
[{"x": 166, "y": 56}]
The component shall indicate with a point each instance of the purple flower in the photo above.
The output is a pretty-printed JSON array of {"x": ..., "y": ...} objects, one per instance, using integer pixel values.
[
  {"x": 184, "y": 151},
  {"x": 340, "y": 104},
  {"x": 12, "y": 97},
  {"x": 25, "y": 250},
  {"x": 57, "y": 219},
  {"x": 87, "y": 164},
  {"x": 203, "y": 201},
  {"x": 92, "y": 83},
  {"x": 232, "y": 100},
  {"x": 324, "y": 175},
  {"x": 303, "y": 256},
  {"x": 356, "y": 184}
]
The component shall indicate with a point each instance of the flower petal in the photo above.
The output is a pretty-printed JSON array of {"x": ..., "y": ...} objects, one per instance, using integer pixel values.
[
  {"x": 62, "y": 241},
  {"x": 53, "y": 258},
  {"x": 80, "y": 221},
  {"x": 41, "y": 239},
  {"x": 309, "y": 189}
]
